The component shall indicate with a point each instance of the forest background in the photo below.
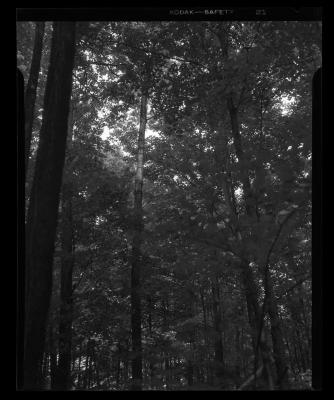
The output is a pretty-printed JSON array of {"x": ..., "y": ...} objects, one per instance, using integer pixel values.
[{"x": 168, "y": 204}]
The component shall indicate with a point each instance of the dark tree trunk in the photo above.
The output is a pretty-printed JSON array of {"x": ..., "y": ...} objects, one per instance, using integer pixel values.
[
  {"x": 85, "y": 379},
  {"x": 44, "y": 200},
  {"x": 89, "y": 379},
  {"x": 118, "y": 369},
  {"x": 88, "y": 364},
  {"x": 191, "y": 299},
  {"x": 190, "y": 373},
  {"x": 66, "y": 280},
  {"x": 256, "y": 318},
  {"x": 79, "y": 367},
  {"x": 65, "y": 317},
  {"x": 219, "y": 357},
  {"x": 277, "y": 338},
  {"x": 244, "y": 171},
  {"x": 45, "y": 367},
  {"x": 31, "y": 89},
  {"x": 261, "y": 350},
  {"x": 53, "y": 360},
  {"x": 205, "y": 326},
  {"x": 252, "y": 298},
  {"x": 151, "y": 364},
  {"x": 238, "y": 351},
  {"x": 137, "y": 373}
]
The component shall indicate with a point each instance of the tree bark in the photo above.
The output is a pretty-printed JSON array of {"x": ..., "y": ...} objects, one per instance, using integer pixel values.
[
  {"x": 277, "y": 338},
  {"x": 31, "y": 89},
  {"x": 151, "y": 363},
  {"x": 261, "y": 350},
  {"x": 252, "y": 297},
  {"x": 219, "y": 359},
  {"x": 278, "y": 345},
  {"x": 249, "y": 283},
  {"x": 53, "y": 360},
  {"x": 44, "y": 200},
  {"x": 137, "y": 374},
  {"x": 66, "y": 275},
  {"x": 244, "y": 172},
  {"x": 65, "y": 317},
  {"x": 190, "y": 373},
  {"x": 238, "y": 350}
]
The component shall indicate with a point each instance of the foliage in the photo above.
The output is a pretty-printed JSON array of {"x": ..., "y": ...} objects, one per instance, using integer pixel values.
[{"x": 196, "y": 226}]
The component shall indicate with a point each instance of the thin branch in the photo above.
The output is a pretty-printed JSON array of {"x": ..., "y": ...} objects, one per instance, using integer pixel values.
[{"x": 294, "y": 286}]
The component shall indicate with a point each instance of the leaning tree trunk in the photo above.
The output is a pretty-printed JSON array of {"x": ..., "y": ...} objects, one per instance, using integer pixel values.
[
  {"x": 31, "y": 89},
  {"x": 137, "y": 374},
  {"x": 44, "y": 200},
  {"x": 261, "y": 349},
  {"x": 252, "y": 297}
]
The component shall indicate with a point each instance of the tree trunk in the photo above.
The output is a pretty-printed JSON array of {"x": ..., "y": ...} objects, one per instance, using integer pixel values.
[
  {"x": 66, "y": 279},
  {"x": 219, "y": 359},
  {"x": 31, "y": 89},
  {"x": 20, "y": 282},
  {"x": 277, "y": 338},
  {"x": 261, "y": 350},
  {"x": 53, "y": 360},
  {"x": 255, "y": 316},
  {"x": 137, "y": 373},
  {"x": 79, "y": 367},
  {"x": 118, "y": 368},
  {"x": 44, "y": 200},
  {"x": 65, "y": 317},
  {"x": 85, "y": 380},
  {"x": 190, "y": 373},
  {"x": 252, "y": 298},
  {"x": 238, "y": 350},
  {"x": 246, "y": 186},
  {"x": 45, "y": 367},
  {"x": 151, "y": 363},
  {"x": 205, "y": 326}
]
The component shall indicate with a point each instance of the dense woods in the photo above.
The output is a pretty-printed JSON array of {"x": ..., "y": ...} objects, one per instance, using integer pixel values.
[{"x": 168, "y": 204}]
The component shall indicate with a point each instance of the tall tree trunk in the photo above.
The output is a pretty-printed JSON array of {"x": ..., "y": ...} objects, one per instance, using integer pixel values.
[
  {"x": 66, "y": 279},
  {"x": 191, "y": 335},
  {"x": 65, "y": 317},
  {"x": 252, "y": 298},
  {"x": 44, "y": 200},
  {"x": 244, "y": 171},
  {"x": 45, "y": 367},
  {"x": 31, "y": 89},
  {"x": 151, "y": 363},
  {"x": 256, "y": 318},
  {"x": 88, "y": 364},
  {"x": 20, "y": 270},
  {"x": 53, "y": 359},
  {"x": 205, "y": 333},
  {"x": 118, "y": 367},
  {"x": 277, "y": 337},
  {"x": 190, "y": 372},
  {"x": 85, "y": 376},
  {"x": 238, "y": 351},
  {"x": 219, "y": 359},
  {"x": 278, "y": 345},
  {"x": 79, "y": 367},
  {"x": 137, "y": 373},
  {"x": 261, "y": 349}
]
